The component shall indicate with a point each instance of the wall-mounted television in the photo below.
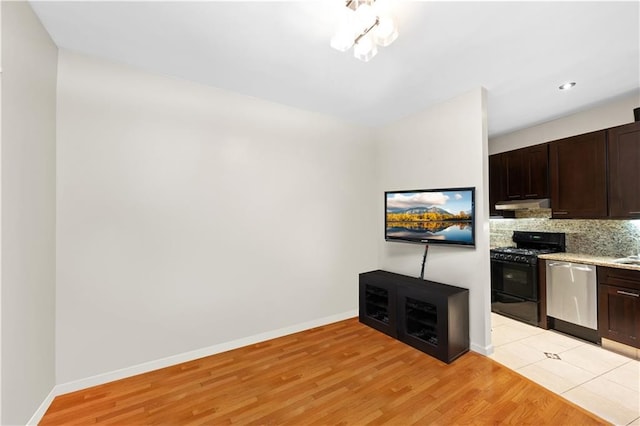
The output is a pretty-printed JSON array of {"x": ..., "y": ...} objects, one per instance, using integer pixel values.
[{"x": 426, "y": 216}]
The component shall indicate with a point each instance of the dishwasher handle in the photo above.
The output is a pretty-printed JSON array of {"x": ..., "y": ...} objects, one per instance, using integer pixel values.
[
  {"x": 577, "y": 267},
  {"x": 560, "y": 265},
  {"x": 583, "y": 268}
]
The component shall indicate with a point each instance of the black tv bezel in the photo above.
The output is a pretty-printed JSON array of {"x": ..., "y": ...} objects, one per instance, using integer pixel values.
[{"x": 472, "y": 244}]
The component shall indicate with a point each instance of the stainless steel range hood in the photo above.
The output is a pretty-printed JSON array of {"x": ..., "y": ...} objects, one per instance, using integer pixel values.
[{"x": 540, "y": 203}]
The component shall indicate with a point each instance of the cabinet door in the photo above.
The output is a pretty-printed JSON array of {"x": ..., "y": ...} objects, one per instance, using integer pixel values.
[
  {"x": 578, "y": 167},
  {"x": 536, "y": 171},
  {"x": 423, "y": 321},
  {"x": 378, "y": 305},
  {"x": 496, "y": 182},
  {"x": 514, "y": 176},
  {"x": 619, "y": 314},
  {"x": 624, "y": 171},
  {"x": 519, "y": 174}
]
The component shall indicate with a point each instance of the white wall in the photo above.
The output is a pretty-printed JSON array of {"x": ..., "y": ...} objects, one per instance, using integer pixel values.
[
  {"x": 189, "y": 216},
  {"x": 610, "y": 114},
  {"x": 442, "y": 147},
  {"x": 28, "y": 212}
]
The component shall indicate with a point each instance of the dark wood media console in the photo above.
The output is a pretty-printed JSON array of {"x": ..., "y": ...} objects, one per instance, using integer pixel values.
[{"x": 427, "y": 315}]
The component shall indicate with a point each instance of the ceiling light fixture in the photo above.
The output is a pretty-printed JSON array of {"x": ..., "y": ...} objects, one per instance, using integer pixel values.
[
  {"x": 567, "y": 86},
  {"x": 364, "y": 27}
]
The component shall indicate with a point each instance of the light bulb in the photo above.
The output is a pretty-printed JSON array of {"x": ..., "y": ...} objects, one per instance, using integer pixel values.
[
  {"x": 385, "y": 32},
  {"x": 365, "y": 49},
  {"x": 342, "y": 40},
  {"x": 346, "y": 33}
]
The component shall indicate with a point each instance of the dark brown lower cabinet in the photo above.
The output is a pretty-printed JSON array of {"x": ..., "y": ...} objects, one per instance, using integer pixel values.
[
  {"x": 430, "y": 316},
  {"x": 619, "y": 305}
]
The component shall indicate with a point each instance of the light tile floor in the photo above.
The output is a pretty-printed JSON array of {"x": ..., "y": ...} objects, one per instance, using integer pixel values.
[{"x": 601, "y": 381}]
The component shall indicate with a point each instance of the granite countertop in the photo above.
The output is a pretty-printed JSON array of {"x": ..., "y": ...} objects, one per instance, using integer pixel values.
[{"x": 588, "y": 259}]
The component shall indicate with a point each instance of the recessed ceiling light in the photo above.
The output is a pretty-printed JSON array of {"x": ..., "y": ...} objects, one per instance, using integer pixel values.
[{"x": 567, "y": 86}]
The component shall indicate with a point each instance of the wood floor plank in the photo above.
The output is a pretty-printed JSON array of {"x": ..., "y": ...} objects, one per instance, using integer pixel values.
[{"x": 343, "y": 373}]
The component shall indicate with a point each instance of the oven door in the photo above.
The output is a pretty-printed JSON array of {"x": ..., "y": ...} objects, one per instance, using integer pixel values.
[{"x": 514, "y": 279}]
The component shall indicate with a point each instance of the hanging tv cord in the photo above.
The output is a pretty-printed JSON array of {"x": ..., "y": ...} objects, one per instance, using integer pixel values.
[{"x": 424, "y": 260}]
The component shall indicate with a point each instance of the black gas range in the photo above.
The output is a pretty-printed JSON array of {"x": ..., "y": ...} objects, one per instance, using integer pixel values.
[{"x": 514, "y": 274}]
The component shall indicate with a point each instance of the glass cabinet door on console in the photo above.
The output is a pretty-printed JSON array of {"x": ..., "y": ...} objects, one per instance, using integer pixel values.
[
  {"x": 418, "y": 323},
  {"x": 421, "y": 320},
  {"x": 377, "y": 306},
  {"x": 377, "y": 303}
]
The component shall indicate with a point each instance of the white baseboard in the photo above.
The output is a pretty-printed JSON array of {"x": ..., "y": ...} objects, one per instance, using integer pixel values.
[
  {"x": 37, "y": 416},
  {"x": 482, "y": 350},
  {"x": 123, "y": 373}
]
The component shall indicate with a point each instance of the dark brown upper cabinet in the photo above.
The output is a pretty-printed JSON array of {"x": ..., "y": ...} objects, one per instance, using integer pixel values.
[
  {"x": 519, "y": 175},
  {"x": 513, "y": 174},
  {"x": 526, "y": 173},
  {"x": 496, "y": 183},
  {"x": 578, "y": 173},
  {"x": 624, "y": 171}
]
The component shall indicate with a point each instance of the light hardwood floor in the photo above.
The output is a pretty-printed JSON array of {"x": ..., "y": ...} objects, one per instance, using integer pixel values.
[{"x": 343, "y": 373}]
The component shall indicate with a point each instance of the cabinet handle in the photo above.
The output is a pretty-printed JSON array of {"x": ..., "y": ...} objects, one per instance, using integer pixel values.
[
  {"x": 557, "y": 212},
  {"x": 530, "y": 195},
  {"x": 627, "y": 293},
  {"x": 634, "y": 212}
]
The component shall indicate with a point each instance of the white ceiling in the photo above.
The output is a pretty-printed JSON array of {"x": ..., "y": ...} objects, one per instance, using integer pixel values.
[{"x": 519, "y": 51}]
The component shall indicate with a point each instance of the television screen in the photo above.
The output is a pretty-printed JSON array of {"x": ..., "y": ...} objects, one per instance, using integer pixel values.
[{"x": 439, "y": 216}]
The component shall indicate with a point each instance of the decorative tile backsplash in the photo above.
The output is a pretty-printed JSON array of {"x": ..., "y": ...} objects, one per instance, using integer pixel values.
[{"x": 616, "y": 238}]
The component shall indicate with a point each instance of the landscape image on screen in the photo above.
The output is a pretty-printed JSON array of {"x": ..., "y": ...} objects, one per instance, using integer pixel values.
[{"x": 445, "y": 216}]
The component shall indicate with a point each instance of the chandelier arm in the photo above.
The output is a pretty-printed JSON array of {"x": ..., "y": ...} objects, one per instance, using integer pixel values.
[{"x": 367, "y": 30}]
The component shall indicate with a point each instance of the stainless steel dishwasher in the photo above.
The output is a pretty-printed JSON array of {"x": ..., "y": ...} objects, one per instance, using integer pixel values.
[{"x": 572, "y": 299}]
